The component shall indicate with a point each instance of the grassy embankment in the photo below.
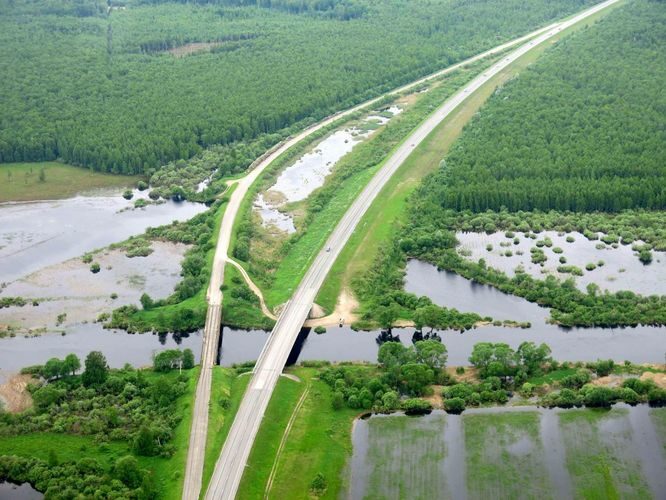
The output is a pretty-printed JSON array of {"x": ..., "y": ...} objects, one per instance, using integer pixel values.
[
  {"x": 21, "y": 181},
  {"x": 168, "y": 472},
  {"x": 319, "y": 441},
  {"x": 305, "y": 244},
  {"x": 389, "y": 209}
]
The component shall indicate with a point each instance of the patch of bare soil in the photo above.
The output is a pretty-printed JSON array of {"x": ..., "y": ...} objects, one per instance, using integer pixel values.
[
  {"x": 610, "y": 380},
  {"x": 14, "y": 393},
  {"x": 436, "y": 398},
  {"x": 471, "y": 374},
  {"x": 657, "y": 378},
  {"x": 343, "y": 313},
  {"x": 192, "y": 48}
]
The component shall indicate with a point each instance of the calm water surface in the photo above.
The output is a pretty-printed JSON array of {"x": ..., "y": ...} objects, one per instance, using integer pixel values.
[
  {"x": 11, "y": 491},
  {"x": 37, "y": 234},
  {"x": 629, "y": 431}
]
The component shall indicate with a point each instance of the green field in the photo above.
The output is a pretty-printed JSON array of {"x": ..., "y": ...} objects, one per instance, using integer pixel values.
[
  {"x": 319, "y": 441},
  {"x": 23, "y": 181},
  {"x": 226, "y": 394}
]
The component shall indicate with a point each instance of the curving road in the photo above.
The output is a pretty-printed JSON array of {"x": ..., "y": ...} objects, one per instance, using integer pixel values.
[{"x": 231, "y": 464}]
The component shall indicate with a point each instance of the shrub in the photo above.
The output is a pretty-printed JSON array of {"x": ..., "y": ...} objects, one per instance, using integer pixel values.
[
  {"x": 416, "y": 406},
  {"x": 599, "y": 397},
  {"x": 128, "y": 195},
  {"x": 657, "y": 397},
  {"x": 95, "y": 268},
  {"x": 454, "y": 405}
]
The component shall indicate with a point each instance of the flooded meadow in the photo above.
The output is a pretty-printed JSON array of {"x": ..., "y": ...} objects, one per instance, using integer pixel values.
[{"x": 512, "y": 452}]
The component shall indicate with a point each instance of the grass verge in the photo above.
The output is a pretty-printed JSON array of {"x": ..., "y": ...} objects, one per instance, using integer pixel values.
[
  {"x": 26, "y": 182},
  {"x": 319, "y": 442}
]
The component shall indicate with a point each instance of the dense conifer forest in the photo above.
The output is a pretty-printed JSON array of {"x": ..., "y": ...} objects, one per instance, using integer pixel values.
[
  {"x": 581, "y": 130},
  {"x": 128, "y": 87}
]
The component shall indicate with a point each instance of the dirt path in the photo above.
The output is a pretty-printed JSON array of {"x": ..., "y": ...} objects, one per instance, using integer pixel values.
[
  {"x": 255, "y": 289},
  {"x": 344, "y": 313}
]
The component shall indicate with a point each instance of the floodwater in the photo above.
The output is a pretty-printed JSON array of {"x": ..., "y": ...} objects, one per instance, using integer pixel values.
[
  {"x": 621, "y": 269},
  {"x": 638, "y": 345},
  {"x": 642, "y": 344},
  {"x": 118, "y": 346},
  {"x": 38, "y": 234},
  {"x": 69, "y": 287},
  {"x": 628, "y": 434},
  {"x": 299, "y": 180},
  {"x": 11, "y": 491}
]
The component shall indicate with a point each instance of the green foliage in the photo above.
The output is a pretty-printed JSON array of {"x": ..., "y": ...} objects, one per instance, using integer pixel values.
[
  {"x": 85, "y": 478},
  {"x": 170, "y": 359},
  {"x": 330, "y": 53},
  {"x": 562, "y": 134},
  {"x": 96, "y": 369},
  {"x": 454, "y": 405},
  {"x": 416, "y": 406},
  {"x": 95, "y": 268}
]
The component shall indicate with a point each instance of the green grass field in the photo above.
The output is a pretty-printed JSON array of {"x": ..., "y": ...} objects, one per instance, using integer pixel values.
[
  {"x": 21, "y": 181},
  {"x": 319, "y": 442},
  {"x": 226, "y": 394}
]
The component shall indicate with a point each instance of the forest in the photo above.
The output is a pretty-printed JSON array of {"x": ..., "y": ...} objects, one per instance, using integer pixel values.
[
  {"x": 565, "y": 134},
  {"x": 490, "y": 162},
  {"x": 90, "y": 83}
]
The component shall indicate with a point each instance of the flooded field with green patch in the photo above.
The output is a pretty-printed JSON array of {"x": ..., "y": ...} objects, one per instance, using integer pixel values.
[{"x": 522, "y": 452}]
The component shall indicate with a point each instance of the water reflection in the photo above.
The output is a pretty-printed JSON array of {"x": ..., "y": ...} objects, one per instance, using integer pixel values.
[
  {"x": 639, "y": 345},
  {"x": 118, "y": 346},
  {"x": 11, "y": 491}
]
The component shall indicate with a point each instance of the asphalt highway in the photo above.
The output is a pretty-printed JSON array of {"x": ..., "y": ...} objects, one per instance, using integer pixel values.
[{"x": 233, "y": 458}]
